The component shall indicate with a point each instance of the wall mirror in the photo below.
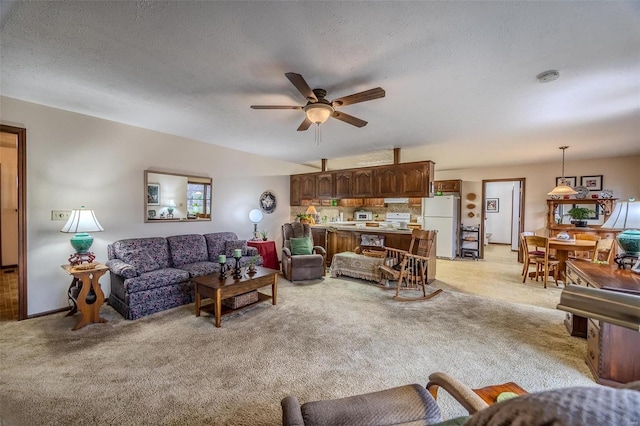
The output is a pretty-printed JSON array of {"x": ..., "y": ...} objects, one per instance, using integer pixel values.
[{"x": 176, "y": 197}]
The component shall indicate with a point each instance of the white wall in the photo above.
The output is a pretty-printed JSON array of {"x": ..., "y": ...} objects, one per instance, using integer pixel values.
[
  {"x": 620, "y": 174},
  {"x": 498, "y": 224},
  {"x": 75, "y": 160}
]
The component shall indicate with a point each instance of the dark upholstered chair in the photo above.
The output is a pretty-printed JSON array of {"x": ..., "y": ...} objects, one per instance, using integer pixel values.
[
  {"x": 404, "y": 405},
  {"x": 413, "y": 405},
  {"x": 298, "y": 267}
]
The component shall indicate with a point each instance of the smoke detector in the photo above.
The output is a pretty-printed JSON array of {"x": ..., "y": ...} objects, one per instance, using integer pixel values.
[{"x": 547, "y": 76}]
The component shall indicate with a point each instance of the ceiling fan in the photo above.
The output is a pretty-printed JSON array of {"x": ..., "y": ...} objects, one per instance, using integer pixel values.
[{"x": 318, "y": 109}]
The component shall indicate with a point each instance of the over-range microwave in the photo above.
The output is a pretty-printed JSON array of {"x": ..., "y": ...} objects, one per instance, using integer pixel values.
[{"x": 362, "y": 215}]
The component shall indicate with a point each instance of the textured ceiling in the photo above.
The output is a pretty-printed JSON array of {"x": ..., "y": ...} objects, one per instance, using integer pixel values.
[{"x": 459, "y": 76}]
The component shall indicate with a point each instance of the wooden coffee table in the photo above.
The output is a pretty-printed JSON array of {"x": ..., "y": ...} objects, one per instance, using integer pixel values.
[{"x": 211, "y": 286}]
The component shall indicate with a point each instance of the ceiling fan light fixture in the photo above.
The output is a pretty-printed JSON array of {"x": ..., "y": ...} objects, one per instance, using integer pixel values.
[{"x": 318, "y": 112}]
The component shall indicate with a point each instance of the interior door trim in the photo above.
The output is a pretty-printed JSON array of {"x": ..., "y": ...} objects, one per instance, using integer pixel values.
[
  {"x": 483, "y": 214},
  {"x": 22, "y": 216}
]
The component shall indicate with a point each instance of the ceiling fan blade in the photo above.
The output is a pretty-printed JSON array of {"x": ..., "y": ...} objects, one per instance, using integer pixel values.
[
  {"x": 367, "y": 95},
  {"x": 350, "y": 119},
  {"x": 305, "y": 124},
  {"x": 274, "y": 107},
  {"x": 302, "y": 86}
]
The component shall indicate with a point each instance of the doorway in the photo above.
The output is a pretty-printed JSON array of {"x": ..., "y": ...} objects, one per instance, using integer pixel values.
[
  {"x": 503, "y": 211},
  {"x": 13, "y": 281}
]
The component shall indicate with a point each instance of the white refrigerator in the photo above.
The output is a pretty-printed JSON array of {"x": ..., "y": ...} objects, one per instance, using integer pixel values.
[{"x": 441, "y": 213}]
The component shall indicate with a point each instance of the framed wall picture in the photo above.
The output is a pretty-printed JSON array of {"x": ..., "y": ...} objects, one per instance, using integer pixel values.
[
  {"x": 492, "y": 205},
  {"x": 592, "y": 183},
  {"x": 153, "y": 194},
  {"x": 572, "y": 181}
]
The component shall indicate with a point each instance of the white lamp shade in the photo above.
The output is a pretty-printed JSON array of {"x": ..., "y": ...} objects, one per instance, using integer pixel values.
[
  {"x": 562, "y": 189},
  {"x": 626, "y": 215},
  {"x": 82, "y": 220},
  {"x": 255, "y": 216},
  {"x": 171, "y": 203}
]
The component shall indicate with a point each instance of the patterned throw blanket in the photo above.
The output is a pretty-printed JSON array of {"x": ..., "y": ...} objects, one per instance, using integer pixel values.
[
  {"x": 579, "y": 406},
  {"x": 356, "y": 266}
]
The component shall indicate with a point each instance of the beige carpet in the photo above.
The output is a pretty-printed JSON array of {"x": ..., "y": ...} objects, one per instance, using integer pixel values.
[{"x": 325, "y": 340}]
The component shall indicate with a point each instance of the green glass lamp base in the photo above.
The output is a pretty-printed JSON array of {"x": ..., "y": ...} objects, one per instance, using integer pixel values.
[
  {"x": 81, "y": 242},
  {"x": 629, "y": 241}
]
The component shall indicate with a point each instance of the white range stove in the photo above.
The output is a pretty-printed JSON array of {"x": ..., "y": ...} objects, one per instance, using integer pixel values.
[{"x": 397, "y": 220}]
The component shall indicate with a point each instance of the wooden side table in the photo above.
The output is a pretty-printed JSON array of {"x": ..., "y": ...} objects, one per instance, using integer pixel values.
[
  {"x": 267, "y": 249},
  {"x": 90, "y": 298},
  {"x": 488, "y": 394}
]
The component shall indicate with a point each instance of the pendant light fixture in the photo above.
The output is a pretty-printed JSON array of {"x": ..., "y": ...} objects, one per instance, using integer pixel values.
[{"x": 563, "y": 188}]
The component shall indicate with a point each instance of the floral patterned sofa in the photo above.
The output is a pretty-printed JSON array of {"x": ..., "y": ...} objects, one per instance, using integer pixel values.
[{"x": 152, "y": 274}]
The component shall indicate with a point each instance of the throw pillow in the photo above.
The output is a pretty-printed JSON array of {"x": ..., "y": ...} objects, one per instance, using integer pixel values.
[
  {"x": 231, "y": 245},
  {"x": 300, "y": 246}
]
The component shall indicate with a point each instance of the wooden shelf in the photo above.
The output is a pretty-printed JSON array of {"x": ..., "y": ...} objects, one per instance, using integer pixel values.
[{"x": 211, "y": 309}]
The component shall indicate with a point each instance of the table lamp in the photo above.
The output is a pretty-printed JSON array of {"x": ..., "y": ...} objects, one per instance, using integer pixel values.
[
  {"x": 170, "y": 205},
  {"x": 311, "y": 211},
  {"x": 626, "y": 217},
  {"x": 81, "y": 222},
  {"x": 255, "y": 216}
]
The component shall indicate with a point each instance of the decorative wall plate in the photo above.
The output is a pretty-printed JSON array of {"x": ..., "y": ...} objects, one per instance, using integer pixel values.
[
  {"x": 267, "y": 202},
  {"x": 470, "y": 214},
  {"x": 471, "y": 196},
  {"x": 582, "y": 192},
  {"x": 471, "y": 206}
]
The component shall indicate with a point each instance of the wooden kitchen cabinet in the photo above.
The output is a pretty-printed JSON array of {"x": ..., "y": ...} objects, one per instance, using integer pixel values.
[
  {"x": 302, "y": 187},
  {"x": 454, "y": 185},
  {"x": 415, "y": 202},
  {"x": 386, "y": 182},
  {"x": 343, "y": 183},
  {"x": 362, "y": 183},
  {"x": 390, "y": 181},
  {"x": 319, "y": 236},
  {"x": 373, "y": 202},
  {"x": 325, "y": 186},
  {"x": 414, "y": 178},
  {"x": 295, "y": 197}
]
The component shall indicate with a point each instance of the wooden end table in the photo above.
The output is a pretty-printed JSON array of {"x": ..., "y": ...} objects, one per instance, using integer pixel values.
[
  {"x": 213, "y": 287},
  {"x": 87, "y": 281},
  {"x": 488, "y": 394}
]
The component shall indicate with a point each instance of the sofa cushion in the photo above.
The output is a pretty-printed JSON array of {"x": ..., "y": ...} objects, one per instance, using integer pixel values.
[
  {"x": 230, "y": 246},
  {"x": 187, "y": 249},
  {"x": 156, "y": 247},
  {"x": 155, "y": 279},
  {"x": 300, "y": 246},
  {"x": 140, "y": 259},
  {"x": 198, "y": 269}
]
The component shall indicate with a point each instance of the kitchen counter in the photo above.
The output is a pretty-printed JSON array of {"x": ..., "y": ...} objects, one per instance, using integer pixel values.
[{"x": 360, "y": 227}]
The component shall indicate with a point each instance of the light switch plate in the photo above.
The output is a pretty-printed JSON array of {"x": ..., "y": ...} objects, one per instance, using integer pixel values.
[{"x": 60, "y": 215}]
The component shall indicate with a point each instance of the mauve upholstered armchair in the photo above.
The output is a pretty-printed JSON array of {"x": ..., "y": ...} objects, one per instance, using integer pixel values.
[{"x": 300, "y": 267}]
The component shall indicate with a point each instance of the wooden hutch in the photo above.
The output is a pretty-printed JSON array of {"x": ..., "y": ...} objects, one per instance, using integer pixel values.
[{"x": 602, "y": 206}]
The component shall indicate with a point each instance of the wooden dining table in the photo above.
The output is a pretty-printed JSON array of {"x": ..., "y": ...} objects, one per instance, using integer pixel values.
[{"x": 563, "y": 247}]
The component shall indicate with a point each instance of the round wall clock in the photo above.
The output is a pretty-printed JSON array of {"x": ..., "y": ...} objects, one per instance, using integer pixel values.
[{"x": 267, "y": 202}]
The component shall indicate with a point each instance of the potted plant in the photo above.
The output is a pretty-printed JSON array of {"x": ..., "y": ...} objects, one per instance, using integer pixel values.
[
  {"x": 264, "y": 234},
  {"x": 304, "y": 218},
  {"x": 580, "y": 215},
  {"x": 251, "y": 265}
]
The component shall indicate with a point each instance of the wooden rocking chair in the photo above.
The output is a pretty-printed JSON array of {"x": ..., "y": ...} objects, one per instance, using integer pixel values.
[{"x": 413, "y": 268}]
